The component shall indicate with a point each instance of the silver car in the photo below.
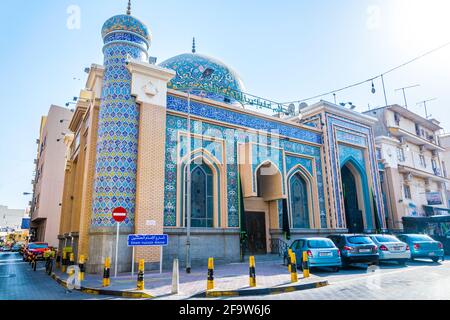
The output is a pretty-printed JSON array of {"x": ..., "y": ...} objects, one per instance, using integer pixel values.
[{"x": 391, "y": 249}]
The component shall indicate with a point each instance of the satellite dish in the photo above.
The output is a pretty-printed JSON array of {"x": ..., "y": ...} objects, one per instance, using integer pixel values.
[
  {"x": 291, "y": 109},
  {"x": 302, "y": 105}
]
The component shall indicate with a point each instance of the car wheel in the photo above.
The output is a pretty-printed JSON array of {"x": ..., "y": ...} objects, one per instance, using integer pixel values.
[
  {"x": 435, "y": 260},
  {"x": 402, "y": 262},
  {"x": 336, "y": 269}
]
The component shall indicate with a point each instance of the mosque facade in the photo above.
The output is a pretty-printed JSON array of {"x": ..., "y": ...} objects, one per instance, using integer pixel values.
[{"x": 180, "y": 146}]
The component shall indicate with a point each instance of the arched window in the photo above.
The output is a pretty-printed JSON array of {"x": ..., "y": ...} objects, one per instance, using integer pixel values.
[
  {"x": 299, "y": 202},
  {"x": 202, "y": 205}
]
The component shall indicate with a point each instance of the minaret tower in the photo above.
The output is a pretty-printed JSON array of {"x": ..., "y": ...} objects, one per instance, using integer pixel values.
[{"x": 125, "y": 38}]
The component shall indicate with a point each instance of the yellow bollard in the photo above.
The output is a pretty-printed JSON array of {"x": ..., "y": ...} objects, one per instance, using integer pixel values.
[
  {"x": 106, "y": 272},
  {"x": 140, "y": 280},
  {"x": 305, "y": 265},
  {"x": 72, "y": 262},
  {"x": 289, "y": 259},
  {"x": 210, "y": 281},
  {"x": 64, "y": 262},
  {"x": 252, "y": 271},
  {"x": 294, "y": 276},
  {"x": 81, "y": 265}
]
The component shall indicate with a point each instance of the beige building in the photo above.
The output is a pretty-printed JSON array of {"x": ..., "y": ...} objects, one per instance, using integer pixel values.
[
  {"x": 413, "y": 178},
  {"x": 445, "y": 142},
  {"x": 49, "y": 175},
  {"x": 11, "y": 218}
]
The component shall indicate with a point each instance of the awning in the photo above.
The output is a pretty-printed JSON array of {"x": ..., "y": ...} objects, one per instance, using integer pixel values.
[{"x": 437, "y": 208}]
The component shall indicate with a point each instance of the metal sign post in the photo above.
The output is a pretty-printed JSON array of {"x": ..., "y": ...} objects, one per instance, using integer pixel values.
[
  {"x": 117, "y": 250},
  {"x": 119, "y": 215},
  {"x": 148, "y": 240},
  {"x": 132, "y": 264}
]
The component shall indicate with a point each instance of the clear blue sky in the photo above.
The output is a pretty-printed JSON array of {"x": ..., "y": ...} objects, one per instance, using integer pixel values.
[{"x": 283, "y": 50}]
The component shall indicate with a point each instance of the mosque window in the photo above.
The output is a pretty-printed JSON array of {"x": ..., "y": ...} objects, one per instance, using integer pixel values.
[
  {"x": 299, "y": 202},
  {"x": 202, "y": 201}
]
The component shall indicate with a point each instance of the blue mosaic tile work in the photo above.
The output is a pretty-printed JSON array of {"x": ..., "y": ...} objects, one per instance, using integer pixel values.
[
  {"x": 125, "y": 24},
  {"x": 118, "y": 126},
  {"x": 334, "y": 121},
  {"x": 231, "y": 138},
  {"x": 348, "y": 137},
  {"x": 204, "y": 75},
  {"x": 241, "y": 119}
]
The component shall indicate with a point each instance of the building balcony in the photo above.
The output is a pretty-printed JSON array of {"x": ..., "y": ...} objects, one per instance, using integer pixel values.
[
  {"x": 406, "y": 136},
  {"x": 423, "y": 174}
]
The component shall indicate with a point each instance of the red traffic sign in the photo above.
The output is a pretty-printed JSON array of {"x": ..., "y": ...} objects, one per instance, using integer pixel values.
[{"x": 119, "y": 214}]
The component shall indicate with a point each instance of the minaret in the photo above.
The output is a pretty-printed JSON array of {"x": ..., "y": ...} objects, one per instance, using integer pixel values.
[{"x": 124, "y": 37}]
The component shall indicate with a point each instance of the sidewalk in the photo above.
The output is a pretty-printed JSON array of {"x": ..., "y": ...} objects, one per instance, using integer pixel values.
[{"x": 230, "y": 279}]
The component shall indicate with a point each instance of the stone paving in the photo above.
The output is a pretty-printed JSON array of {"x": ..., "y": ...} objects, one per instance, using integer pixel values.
[{"x": 269, "y": 273}]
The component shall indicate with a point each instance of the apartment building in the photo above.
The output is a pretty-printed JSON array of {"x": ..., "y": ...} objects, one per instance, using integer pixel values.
[
  {"x": 445, "y": 142},
  {"x": 49, "y": 175},
  {"x": 412, "y": 157}
]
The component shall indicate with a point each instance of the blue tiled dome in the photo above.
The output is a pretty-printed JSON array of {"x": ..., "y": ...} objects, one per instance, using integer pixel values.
[
  {"x": 126, "y": 23},
  {"x": 209, "y": 76}
]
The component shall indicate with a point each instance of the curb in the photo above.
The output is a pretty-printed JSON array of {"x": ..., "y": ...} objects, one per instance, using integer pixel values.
[
  {"x": 95, "y": 291},
  {"x": 262, "y": 291}
]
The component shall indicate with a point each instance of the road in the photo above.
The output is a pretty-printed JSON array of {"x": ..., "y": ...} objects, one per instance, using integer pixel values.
[
  {"x": 419, "y": 280},
  {"x": 19, "y": 282}
]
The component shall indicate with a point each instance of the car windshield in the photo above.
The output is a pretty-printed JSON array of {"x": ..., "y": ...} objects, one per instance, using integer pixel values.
[
  {"x": 420, "y": 237},
  {"x": 384, "y": 239},
  {"x": 320, "y": 243},
  {"x": 359, "y": 240},
  {"x": 38, "y": 246}
]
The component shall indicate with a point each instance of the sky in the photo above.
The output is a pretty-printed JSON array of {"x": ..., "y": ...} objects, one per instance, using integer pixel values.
[{"x": 283, "y": 50}]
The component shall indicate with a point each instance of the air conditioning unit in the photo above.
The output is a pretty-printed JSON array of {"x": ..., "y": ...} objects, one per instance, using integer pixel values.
[
  {"x": 38, "y": 141},
  {"x": 434, "y": 153},
  {"x": 402, "y": 140},
  {"x": 32, "y": 182},
  {"x": 422, "y": 149},
  {"x": 35, "y": 161}
]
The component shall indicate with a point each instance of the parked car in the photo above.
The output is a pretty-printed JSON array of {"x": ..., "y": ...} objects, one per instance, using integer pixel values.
[
  {"x": 391, "y": 248},
  {"x": 321, "y": 253},
  {"x": 35, "y": 248},
  {"x": 356, "y": 248},
  {"x": 6, "y": 248},
  {"x": 423, "y": 246}
]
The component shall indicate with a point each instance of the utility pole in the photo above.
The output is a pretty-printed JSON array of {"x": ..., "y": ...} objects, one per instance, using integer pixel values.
[{"x": 404, "y": 93}]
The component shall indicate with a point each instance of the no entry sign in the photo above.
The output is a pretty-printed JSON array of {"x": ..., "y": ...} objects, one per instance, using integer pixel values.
[{"x": 119, "y": 214}]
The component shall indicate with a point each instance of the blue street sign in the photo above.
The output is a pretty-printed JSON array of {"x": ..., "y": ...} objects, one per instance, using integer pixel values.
[{"x": 148, "y": 240}]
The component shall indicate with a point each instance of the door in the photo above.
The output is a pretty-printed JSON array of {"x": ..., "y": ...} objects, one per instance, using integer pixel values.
[
  {"x": 353, "y": 215},
  {"x": 256, "y": 231}
]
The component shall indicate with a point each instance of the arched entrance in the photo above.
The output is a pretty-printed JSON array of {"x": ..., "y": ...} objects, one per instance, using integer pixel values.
[{"x": 352, "y": 198}]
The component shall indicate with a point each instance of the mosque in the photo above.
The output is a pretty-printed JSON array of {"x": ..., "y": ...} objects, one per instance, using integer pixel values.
[{"x": 188, "y": 153}]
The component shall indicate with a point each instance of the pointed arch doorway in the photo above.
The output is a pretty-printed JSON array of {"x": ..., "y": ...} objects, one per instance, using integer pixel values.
[{"x": 353, "y": 198}]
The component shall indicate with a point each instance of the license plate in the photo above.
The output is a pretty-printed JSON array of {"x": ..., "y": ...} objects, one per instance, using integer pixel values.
[
  {"x": 432, "y": 254},
  {"x": 397, "y": 248},
  {"x": 365, "y": 250},
  {"x": 325, "y": 254}
]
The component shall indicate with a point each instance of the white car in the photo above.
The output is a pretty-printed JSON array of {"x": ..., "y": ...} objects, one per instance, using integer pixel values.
[{"x": 391, "y": 249}]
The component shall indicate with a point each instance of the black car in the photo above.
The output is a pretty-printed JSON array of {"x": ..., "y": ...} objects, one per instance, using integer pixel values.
[{"x": 356, "y": 248}]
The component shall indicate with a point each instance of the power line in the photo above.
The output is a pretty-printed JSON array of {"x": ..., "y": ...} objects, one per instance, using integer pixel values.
[{"x": 374, "y": 78}]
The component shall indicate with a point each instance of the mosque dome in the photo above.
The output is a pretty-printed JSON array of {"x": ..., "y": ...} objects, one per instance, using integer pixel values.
[
  {"x": 204, "y": 75},
  {"x": 126, "y": 23}
]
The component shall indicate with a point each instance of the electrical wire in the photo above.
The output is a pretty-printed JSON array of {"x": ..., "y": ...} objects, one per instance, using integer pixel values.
[{"x": 374, "y": 78}]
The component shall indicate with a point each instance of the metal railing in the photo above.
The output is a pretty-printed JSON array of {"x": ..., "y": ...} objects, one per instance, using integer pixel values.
[{"x": 278, "y": 246}]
